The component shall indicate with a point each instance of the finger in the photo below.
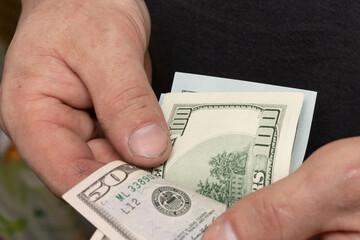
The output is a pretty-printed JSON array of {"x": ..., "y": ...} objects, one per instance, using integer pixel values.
[
  {"x": 52, "y": 138},
  {"x": 126, "y": 107},
  {"x": 40, "y": 102},
  {"x": 269, "y": 213},
  {"x": 303, "y": 204},
  {"x": 131, "y": 119},
  {"x": 103, "y": 151}
]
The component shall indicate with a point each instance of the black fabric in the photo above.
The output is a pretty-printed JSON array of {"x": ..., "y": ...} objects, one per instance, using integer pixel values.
[{"x": 312, "y": 45}]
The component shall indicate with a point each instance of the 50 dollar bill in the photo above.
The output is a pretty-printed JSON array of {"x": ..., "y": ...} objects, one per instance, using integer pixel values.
[{"x": 126, "y": 202}]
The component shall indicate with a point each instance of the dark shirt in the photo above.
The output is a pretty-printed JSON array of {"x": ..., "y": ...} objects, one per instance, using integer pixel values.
[{"x": 311, "y": 45}]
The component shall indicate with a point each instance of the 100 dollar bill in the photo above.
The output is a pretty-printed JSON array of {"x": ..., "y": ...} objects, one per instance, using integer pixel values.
[
  {"x": 126, "y": 202},
  {"x": 186, "y": 82},
  {"x": 227, "y": 145}
]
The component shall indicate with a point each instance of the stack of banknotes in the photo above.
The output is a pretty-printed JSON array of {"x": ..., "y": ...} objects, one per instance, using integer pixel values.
[{"x": 229, "y": 138}]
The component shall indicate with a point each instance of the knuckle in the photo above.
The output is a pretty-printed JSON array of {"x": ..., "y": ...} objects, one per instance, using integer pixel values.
[
  {"x": 129, "y": 100},
  {"x": 276, "y": 213},
  {"x": 348, "y": 193},
  {"x": 343, "y": 166},
  {"x": 269, "y": 214}
]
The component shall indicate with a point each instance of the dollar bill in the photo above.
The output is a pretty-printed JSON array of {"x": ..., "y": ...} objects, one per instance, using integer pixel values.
[
  {"x": 185, "y": 82},
  {"x": 126, "y": 202},
  {"x": 227, "y": 145}
]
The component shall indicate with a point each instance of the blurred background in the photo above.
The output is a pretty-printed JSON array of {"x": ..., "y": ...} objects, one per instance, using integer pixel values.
[{"x": 27, "y": 209}]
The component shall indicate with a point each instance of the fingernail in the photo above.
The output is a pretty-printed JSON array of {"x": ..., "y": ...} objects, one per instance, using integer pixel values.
[
  {"x": 149, "y": 141},
  {"x": 220, "y": 230}
]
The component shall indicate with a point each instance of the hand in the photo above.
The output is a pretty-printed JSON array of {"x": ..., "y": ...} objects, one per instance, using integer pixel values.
[
  {"x": 321, "y": 199},
  {"x": 67, "y": 60}
]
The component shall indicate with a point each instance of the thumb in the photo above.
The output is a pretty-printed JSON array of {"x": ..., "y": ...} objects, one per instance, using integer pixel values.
[
  {"x": 130, "y": 116},
  {"x": 286, "y": 210},
  {"x": 279, "y": 211},
  {"x": 269, "y": 213},
  {"x": 114, "y": 74},
  {"x": 303, "y": 204}
]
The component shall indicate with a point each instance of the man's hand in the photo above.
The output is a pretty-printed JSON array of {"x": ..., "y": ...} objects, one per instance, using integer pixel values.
[
  {"x": 322, "y": 199},
  {"x": 69, "y": 59}
]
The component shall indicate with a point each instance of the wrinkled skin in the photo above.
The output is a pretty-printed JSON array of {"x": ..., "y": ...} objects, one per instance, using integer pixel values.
[{"x": 70, "y": 59}]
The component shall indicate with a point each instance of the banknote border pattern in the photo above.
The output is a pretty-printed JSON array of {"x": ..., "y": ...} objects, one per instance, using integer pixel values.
[{"x": 118, "y": 227}]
